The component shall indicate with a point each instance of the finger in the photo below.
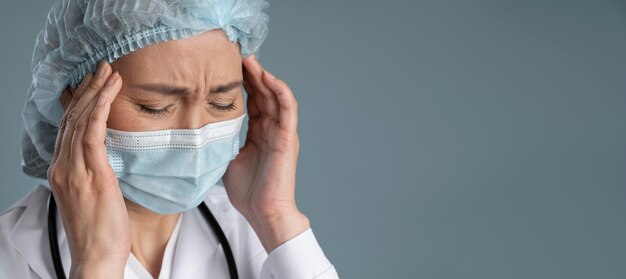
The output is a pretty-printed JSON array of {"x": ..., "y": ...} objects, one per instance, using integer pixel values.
[
  {"x": 75, "y": 96},
  {"x": 80, "y": 128},
  {"x": 87, "y": 96},
  {"x": 288, "y": 114},
  {"x": 81, "y": 88},
  {"x": 94, "y": 141},
  {"x": 267, "y": 100}
]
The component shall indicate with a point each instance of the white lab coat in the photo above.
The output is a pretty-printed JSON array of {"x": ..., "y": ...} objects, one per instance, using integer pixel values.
[{"x": 196, "y": 253}]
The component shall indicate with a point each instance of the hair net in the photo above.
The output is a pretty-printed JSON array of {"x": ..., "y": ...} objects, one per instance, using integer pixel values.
[{"x": 78, "y": 34}]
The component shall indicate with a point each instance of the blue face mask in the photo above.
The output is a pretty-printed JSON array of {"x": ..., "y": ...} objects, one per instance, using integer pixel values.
[{"x": 169, "y": 171}]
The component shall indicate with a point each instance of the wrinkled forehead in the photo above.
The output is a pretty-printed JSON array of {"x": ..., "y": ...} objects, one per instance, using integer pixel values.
[{"x": 206, "y": 58}]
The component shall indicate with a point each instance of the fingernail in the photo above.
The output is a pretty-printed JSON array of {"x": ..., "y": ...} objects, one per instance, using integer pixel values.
[
  {"x": 83, "y": 81},
  {"x": 103, "y": 99},
  {"x": 100, "y": 71},
  {"x": 269, "y": 75},
  {"x": 112, "y": 79}
]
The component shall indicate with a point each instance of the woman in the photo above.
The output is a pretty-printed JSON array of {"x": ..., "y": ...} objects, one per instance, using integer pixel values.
[{"x": 133, "y": 152}]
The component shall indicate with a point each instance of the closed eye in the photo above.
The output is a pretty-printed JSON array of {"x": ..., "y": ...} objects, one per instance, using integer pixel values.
[
  {"x": 166, "y": 110},
  {"x": 156, "y": 112},
  {"x": 228, "y": 107}
]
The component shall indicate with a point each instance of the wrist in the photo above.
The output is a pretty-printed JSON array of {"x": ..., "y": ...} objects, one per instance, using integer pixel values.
[
  {"x": 99, "y": 266},
  {"x": 279, "y": 228}
]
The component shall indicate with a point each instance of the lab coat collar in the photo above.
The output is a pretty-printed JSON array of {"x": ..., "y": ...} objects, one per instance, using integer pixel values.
[{"x": 29, "y": 235}]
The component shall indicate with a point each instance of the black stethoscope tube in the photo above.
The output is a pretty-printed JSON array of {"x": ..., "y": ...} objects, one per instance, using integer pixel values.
[{"x": 204, "y": 209}]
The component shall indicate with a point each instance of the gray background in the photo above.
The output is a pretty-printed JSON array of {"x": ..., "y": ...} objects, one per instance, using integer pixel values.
[{"x": 439, "y": 139}]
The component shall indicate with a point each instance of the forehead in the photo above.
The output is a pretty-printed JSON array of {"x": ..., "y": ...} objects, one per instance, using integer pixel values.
[{"x": 208, "y": 56}]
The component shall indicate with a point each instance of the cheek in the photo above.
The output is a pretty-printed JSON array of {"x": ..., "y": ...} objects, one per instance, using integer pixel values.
[{"x": 115, "y": 115}]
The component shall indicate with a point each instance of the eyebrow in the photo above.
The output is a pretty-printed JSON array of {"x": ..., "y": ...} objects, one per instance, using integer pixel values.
[{"x": 166, "y": 89}]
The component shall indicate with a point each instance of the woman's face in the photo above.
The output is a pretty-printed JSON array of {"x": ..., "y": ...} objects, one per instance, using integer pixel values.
[{"x": 179, "y": 84}]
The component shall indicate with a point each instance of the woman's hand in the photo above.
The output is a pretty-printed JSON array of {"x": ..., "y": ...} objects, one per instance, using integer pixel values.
[
  {"x": 84, "y": 185},
  {"x": 260, "y": 182}
]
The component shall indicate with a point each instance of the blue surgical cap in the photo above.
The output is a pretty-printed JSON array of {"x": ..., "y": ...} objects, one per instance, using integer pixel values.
[{"x": 78, "y": 34}]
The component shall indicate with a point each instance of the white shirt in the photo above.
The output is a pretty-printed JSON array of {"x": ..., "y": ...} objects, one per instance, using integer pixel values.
[{"x": 192, "y": 251}]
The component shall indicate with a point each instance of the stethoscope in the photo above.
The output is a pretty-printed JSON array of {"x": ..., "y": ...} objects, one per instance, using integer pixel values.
[{"x": 204, "y": 209}]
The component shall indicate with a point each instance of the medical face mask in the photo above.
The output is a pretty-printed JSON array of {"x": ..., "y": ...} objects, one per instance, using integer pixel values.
[{"x": 169, "y": 171}]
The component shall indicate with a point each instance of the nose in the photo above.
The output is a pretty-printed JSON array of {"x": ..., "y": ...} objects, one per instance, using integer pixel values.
[{"x": 194, "y": 115}]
